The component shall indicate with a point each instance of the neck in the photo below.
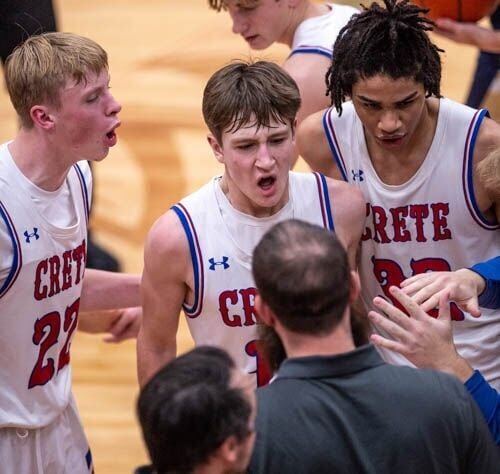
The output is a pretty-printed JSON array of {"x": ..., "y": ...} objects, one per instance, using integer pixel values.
[
  {"x": 300, "y": 13},
  {"x": 38, "y": 161},
  {"x": 338, "y": 341}
]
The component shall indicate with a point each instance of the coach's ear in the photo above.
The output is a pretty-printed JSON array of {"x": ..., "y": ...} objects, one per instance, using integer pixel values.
[
  {"x": 216, "y": 148},
  {"x": 355, "y": 286},
  {"x": 264, "y": 312}
]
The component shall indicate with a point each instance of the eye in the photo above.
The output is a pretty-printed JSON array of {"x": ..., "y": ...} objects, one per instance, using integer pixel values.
[
  {"x": 278, "y": 140},
  {"x": 244, "y": 146},
  {"x": 371, "y": 105},
  {"x": 92, "y": 98},
  {"x": 406, "y": 103}
]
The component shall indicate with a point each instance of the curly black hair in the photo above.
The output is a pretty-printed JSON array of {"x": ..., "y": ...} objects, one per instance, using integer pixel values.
[{"x": 391, "y": 41}]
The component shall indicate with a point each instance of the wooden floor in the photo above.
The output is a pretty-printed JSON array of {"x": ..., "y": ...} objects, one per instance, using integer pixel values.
[{"x": 161, "y": 55}]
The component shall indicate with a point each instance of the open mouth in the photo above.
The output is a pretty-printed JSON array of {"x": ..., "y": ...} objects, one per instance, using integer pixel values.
[
  {"x": 266, "y": 183},
  {"x": 111, "y": 137}
]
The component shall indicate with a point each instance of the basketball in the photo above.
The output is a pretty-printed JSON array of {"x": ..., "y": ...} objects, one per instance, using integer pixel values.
[{"x": 459, "y": 10}]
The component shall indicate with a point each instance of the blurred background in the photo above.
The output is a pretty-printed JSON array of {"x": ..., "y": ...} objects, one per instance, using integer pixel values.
[{"x": 161, "y": 54}]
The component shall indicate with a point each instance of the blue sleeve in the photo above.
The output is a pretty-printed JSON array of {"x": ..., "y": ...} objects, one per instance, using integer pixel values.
[
  {"x": 488, "y": 400},
  {"x": 490, "y": 271}
]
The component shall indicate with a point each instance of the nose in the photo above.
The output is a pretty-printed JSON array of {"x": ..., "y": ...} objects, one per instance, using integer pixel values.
[
  {"x": 114, "y": 107},
  {"x": 264, "y": 159},
  {"x": 389, "y": 122},
  {"x": 239, "y": 23}
]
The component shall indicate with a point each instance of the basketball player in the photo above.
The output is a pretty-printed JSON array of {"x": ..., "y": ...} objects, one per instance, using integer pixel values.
[
  {"x": 308, "y": 28},
  {"x": 414, "y": 155},
  {"x": 59, "y": 86},
  {"x": 198, "y": 254}
]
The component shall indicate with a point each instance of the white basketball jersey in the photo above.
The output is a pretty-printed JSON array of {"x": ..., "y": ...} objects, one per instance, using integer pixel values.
[
  {"x": 221, "y": 240},
  {"x": 39, "y": 299},
  {"x": 316, "y": 35},
  {"x": 430, "y": 223}
]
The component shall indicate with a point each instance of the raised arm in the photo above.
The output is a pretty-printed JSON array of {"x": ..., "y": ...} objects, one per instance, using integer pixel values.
[
  {"x": 167, "y": 266},
  {"x": 312, "y": 144}
]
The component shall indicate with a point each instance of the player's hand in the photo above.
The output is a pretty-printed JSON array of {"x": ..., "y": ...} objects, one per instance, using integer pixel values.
[
  {"x": 125, "y": 326},
  {"x": 423, "y": 340},
  {"x": 462, "y": 286}
]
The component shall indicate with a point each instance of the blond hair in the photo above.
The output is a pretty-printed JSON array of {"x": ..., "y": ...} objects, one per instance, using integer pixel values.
[{"x": 39, "y": 68}]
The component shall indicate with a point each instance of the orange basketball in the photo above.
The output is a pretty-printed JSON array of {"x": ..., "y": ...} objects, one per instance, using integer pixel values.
[{"x": 460, "y": 10}]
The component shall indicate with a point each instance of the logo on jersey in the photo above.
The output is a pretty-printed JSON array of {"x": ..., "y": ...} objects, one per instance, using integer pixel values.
[
  {"x": 223, "y": 262},
  {"x": 29, "y": 236},
  {"x": 358, "y": 175}
]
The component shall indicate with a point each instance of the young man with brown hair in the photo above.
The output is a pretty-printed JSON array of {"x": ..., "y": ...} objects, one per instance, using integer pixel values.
[{"x": 198, "y": 255}]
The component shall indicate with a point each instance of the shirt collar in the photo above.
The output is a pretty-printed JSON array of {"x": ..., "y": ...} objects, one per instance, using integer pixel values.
[{"x": 362, "y": 358}]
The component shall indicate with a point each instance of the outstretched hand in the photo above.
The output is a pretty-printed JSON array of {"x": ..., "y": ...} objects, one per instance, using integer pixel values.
[
  {"x": 423, "y": 340},
  {"x": 461, "y": 286}
]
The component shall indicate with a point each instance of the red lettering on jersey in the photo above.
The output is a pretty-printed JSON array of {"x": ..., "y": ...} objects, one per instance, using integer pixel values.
[
  {"x": 379, "y": 223},
  {"x": 66, "y": 270},
  {"x": 394, "y": 222},
  {"x": 367, "y": 234},
  {"x": 401, "y": 234},
  {"x": 419, "y": 212},
  {"x": 55, "y": 266},
  {"x": 79, "y": 257},
  {"x": 232, "y": 297},
  {"x": 40, "y": 290},
  {"x": 245, "y": 304},
  {"x": 439, "y": 211},
  {"x": 57, "y": 273},
  {"x": 248, "y": 296}
]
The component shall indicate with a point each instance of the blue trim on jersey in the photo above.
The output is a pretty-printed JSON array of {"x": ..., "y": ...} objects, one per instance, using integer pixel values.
[
  {"x": 332, "y": 147},
  {"x": 470, "y": 168},
  {"x": 328, "y": 208},
  {"x": 312, "y": 50},
  {"x": 14, "y": 269},
  {"x": 192, "y": 251},
  {"x": 84, "y": 189}
]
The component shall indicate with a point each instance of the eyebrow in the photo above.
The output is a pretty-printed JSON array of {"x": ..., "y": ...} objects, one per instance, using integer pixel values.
[{"x": 405, "y": 99}]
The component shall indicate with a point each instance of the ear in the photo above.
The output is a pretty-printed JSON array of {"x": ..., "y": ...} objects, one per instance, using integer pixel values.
[
  {"x": 41, "y": 117},
  {"x": 228, "y": 450},
  {"x": 216, "y": 148},
  {"x": 264, "y": 312},
  {"x": 355, "y": 286}
]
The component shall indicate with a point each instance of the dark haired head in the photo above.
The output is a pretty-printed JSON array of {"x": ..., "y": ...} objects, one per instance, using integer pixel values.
[
  {"x": 247, "y": 94},
  {"x": 302, "y": 274},
  {"x": 189, "y": 408},
  {"x": 391, "y": 41}
]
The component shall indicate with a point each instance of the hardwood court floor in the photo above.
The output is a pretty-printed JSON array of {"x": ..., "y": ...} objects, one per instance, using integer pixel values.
[{"x": 161, "y": 54}]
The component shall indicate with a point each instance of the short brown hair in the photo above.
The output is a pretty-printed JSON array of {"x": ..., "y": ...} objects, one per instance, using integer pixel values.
[
  {"x": 38, "y": 68},
  {"x": 302, "y": 273},
  {"x": 244, "y": 93}
]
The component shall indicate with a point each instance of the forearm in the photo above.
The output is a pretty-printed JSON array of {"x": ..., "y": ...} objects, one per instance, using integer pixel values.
[
  {"x": 490, "y": 272},
  {"x": 488, "y": 400},
  {"x": 151, "y": 357},
  {"x": 107, "y": 290}
]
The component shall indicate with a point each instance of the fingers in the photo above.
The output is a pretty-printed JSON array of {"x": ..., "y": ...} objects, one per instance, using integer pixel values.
[
  {"x": 393, "y": 329},
  {"x": 395, "y": 346},
  {"x": 444, "y": 306}
]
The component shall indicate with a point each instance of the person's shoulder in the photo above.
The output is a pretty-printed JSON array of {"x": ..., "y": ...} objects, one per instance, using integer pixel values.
[{"x": 166, "y": 236}]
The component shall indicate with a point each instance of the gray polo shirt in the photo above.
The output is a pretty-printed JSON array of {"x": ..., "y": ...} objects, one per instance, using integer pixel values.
[{"x": 353, "y": 413}]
